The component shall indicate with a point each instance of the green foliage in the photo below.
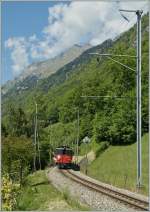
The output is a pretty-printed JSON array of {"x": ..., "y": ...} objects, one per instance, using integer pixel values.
[
  {"x": 60, "y": 134},
  {"x": 123, "y": 127},
  {"x": 17, "y": 156},
  {"x": 103, "y": 119},
  {"x": 4, "y": 130},
  {"x": 101, "y": 127},
  {"x": 16, "y": 122},
  {"x": 10, "y": 191},
  {"x": 118, "y": 126},
  {"x": 45, "y": 150},
  {"x": 53, "y": 114},
  {"x": 111, "y": 120}
]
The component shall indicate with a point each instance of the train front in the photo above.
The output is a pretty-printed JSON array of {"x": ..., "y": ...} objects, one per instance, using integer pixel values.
[{"x": 63, "y": 157}]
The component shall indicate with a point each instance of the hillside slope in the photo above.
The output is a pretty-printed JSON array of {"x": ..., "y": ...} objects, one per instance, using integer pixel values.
[
  {"x": 117, "y": 166},
  {"x": 39, "y": 194},
  {"x": 43, "y": 69},
  {"x": 59, "y": 95}
]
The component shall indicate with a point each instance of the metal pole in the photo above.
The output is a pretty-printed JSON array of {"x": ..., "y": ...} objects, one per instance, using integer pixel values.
[
  {"x": 77, "y": 134},
  {"x": 35, "y": 136},
  {"x": 38, "y": 143},
  {"x": 138, "y": 95},
  {"x": 39, "y": 151},
  {"x": 138, "y": 78},
  {"x": 149, "y": 118},
  {"x": 86, "y": 159},
  {"x": 34, "y": 159},
  {"x": 74, "y": 146},
  {"x": 50, "y": 143},
  {"x": 35, "y": 123},
  {"x": 138, "y": 92}
]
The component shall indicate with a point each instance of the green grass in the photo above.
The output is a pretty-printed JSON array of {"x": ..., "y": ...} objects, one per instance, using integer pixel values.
[
  {"x": 117, "y": 166},
  {"x": 39, "y": 194}
]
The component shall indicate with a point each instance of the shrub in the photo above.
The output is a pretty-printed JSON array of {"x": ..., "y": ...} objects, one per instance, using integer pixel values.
[{"x": 9, "y": 194}]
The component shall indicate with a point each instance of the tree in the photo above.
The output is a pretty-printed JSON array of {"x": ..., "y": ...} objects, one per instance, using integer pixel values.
[
  {"x": 101, "y": 125},
  {"x": 123, "y": 127},
  {"x": 17, "y": 157},
  {"x": 17, "y": 124}
]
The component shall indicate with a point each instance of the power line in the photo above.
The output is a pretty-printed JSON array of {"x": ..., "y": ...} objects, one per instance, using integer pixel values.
[{"x": 138, "y": 90}]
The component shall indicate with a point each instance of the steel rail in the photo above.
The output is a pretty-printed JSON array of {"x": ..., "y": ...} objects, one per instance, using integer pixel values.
[{"x": 122, "y": 197}]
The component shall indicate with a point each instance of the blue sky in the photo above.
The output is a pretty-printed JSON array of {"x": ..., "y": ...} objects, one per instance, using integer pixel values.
[
  {"x": 35, "y": 31},
  {"x": 21, "y": 19}
]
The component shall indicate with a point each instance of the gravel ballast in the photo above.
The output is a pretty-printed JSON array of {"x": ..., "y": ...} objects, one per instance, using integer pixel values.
[
  {"x": 124, "y": 191},
  {"x": 93, "y": 199}
]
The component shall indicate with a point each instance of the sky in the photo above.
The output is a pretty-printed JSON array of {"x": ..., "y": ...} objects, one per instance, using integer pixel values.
[{"x": 36, "y": 31}]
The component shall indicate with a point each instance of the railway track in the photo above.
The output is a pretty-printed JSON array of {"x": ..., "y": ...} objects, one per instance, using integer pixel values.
[{"x": 126, "y": 199}]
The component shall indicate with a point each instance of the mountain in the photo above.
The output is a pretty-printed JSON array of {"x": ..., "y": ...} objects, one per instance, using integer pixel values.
[
  {"x": 32, "y": 77},
  {"x": 44, "y": 69},
  {"x": 48, "y": 67},
  {"x": 60, "y": 93}
]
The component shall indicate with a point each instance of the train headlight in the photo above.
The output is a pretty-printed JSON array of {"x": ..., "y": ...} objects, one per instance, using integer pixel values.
[{"x": 58, "y": 157}]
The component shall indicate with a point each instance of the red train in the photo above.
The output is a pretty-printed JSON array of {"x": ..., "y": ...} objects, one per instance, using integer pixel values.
[{"x": 63, "y": 156}]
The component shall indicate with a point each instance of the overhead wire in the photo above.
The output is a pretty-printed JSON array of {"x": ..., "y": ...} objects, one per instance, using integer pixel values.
[{"x": 133, "y": 16}]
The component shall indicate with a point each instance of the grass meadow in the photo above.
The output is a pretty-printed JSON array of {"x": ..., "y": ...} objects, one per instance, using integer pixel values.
[{"x": 117, "y": 165}]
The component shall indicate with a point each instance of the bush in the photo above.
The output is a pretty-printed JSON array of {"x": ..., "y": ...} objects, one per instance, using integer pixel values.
[{"x": 9, "y": 194}]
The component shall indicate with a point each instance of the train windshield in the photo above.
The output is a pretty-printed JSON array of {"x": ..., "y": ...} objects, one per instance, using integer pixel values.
[{"x": 63, "y": 151}]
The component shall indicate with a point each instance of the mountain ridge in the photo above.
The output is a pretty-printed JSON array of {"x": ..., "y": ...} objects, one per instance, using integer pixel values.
[
  {"x": 59, "y": 95},
  {"x": 43, "y": 69}
]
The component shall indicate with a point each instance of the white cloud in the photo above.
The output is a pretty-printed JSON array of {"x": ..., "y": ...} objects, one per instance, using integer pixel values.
[
  {"x": 56, "y": 12},
  {"x": 76, "y": 21},
  {"x": 69, "y": 24},
  {"x": 19, "y": 55}
]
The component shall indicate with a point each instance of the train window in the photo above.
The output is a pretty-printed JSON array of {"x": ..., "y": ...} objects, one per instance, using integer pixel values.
[
  {"x": 63, "y": 151},
  {"x": 69, "y": 152},
  {"x": 59, "y": 151}
]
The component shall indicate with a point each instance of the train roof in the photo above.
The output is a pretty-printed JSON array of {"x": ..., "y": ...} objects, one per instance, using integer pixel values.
[{"x": 62, "y": 147}]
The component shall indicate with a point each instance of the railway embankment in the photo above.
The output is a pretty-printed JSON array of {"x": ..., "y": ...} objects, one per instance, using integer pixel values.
[
  {"x": 38, "y": 194},
  {"x": 94, "y": 199},
  {"x": 117, "y": 166}
]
